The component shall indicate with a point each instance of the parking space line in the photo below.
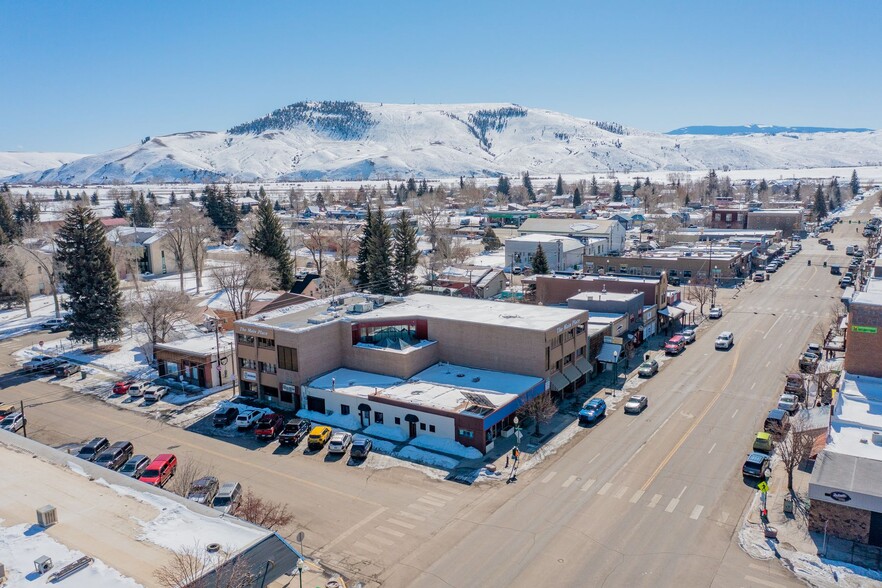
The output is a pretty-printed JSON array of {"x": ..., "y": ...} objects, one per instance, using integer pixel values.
[
  {"x": 734, "y": 413},
  {"x": 401, "y": 523},
  {"x": 654, "y": 501},
  {"x": 379, "y": 539},
  {"x": 752, "y": 386},
  {"x": 605, "y": 489},
  {"x": 672, "y": 505},
  {"x": 587, "y": 485},
  {"x": 593, "y": 458},
  {"x": 696, "y": 512},
  {"x": 410, "y": 515},
  {"x": 569, "y": 481},
  {"x": 636, "y": 497},
  {"x": 389, "y": 531},
  {"x": 712, "y": 448},
  {"x": 547, "y": 478}
]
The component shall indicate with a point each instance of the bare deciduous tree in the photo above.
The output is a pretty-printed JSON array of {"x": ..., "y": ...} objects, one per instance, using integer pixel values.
[
  {"x": 192, "y": 567},
  {"x": 429, "y": 212},
  {"x": 176, "y": 233},
  {"x": 200, "y": 231},
  {"x": 700, "y": 290},
  {"x": 346, "y": 240},
  {"x": 541, "y": 409},
  {"x": 243, "y": 281},
  {"x": 126, "y": 256},
  {"x": 159, "y": 309},
  {"x": 189, "y": 470},
  {"x": 35, "y": 249},
  {"x": 335, "y": 281},
  {"x": 14, "y": 277},
  {"x": 269, "y": 515},
  {"x": 794, "y": 447},
  {"x": 317, "y": 239}
]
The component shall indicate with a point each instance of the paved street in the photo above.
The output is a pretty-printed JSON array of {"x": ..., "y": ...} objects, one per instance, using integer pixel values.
[{"x": 648, "y": 500}]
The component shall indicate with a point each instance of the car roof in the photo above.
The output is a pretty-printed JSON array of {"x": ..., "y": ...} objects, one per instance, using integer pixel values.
[
  {"x": 320, "y": 428},
  {"x": 776, "y": 413},
  {"x": 138, "y": 457},
  {"x": 756, "y": 457},
  {"x": 594, "y": 402},
  {"x": 638, "y": 397},
  {"x": 163, "y": 457},
  {"x": 360, "y": 440},
  {"x": 764, "y": 435},
  {"x": 227, "y": 487},
  {"x": 725, "y": 334},
  {"x": 676, "y": 338}
]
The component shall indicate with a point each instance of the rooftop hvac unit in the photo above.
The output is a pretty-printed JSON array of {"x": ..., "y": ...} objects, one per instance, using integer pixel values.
[
  {"x": 361, "y": 307},
  {"x": 877, "y": 438},
  {"x": 47, "y": 516},
  {"x": 43, "y": 564}
]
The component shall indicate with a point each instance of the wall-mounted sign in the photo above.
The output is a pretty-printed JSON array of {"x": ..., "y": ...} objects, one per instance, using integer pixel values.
[
  {"x": 614, "y": 340},
  {"x": 289, "y": 388},
  {"x": 249, "y": 376},
  {"x": 860, "y": 329},
  {"x": 254, "y": 331},
  {"x": 838, "y": 496}
]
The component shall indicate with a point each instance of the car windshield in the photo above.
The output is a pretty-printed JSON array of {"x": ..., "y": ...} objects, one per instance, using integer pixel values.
[
  {"x": 151, "y": 473},
  {"x": 87, "y": 450},
  {"x": 646, "y": 364},
  {"x": 221, "y": 501},
  {"x": 129, "y": 467},
  {"x": 7, "y": 421},
  {"x": 105, "y": 457}
]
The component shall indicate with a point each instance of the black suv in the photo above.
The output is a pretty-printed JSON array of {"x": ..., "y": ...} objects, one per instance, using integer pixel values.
[
  {"x": 294, "y": 431},
  {"x": 225, "y": 416},
  {"x": 115, "y": 456},
  {"x": 91, "y": 449}
]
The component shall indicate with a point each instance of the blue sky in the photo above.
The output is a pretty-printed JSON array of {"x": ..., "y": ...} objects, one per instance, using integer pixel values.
[{"x": 88, "y": 76}]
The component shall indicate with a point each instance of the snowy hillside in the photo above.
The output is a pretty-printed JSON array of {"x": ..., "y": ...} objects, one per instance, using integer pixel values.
[
  {"x": 758, "y": 129},
  {"x": 23, "y": 162},
  {"x": 358, "y": 141}
]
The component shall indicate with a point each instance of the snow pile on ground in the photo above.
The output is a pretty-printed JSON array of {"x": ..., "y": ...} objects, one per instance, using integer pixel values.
[
  {"x": 380, "y": 446},
  {"x": 338, "y": 421},
  {"x": 448, "y": 446},
  {"x": 753, "y": 541},
  {"x": 386, "y": 432},
  {"x": 22, "y": 544},
  {"x": 77, "y": 469},
  {"x": 14, "y": 322},
  {"x": 424, "y": 457},
  {"x": 819, "y": 572},
  {"x": 552, "y": 445}
]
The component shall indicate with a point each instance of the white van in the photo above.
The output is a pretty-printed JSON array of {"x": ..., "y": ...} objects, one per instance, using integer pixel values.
[{"x": 725, "y": 340}]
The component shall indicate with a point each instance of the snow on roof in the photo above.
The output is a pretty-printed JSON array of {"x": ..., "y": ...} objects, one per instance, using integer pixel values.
[
  {"x": 203, "y": 345},
  {"x": 567, "y": 243},
  {"x": 856, "y": 414},
  {"x": 220, "y": 301},
  {"x": 619, "y": 296},
  {"x": 870, "y": 297},
  {"x": 567, "y": 225},
  {"x": 354, "y": 382}
]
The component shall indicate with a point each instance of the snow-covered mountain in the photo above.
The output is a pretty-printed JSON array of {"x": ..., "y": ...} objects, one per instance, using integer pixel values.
[
  {"x": 758, "y": 130},
  {"x": 348, "y": 140},
  {"x": 23, "y": 162}
]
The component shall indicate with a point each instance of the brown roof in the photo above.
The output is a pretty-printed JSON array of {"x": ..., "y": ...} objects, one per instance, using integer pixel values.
[{"x": 285, "y": 300}]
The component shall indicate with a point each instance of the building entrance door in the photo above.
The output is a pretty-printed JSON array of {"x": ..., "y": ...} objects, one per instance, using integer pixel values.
[
  {"x": 412, "y": 429},
  {"x": 876, "y": 529}
]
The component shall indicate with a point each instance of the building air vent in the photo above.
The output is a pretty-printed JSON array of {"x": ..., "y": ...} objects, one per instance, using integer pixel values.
[
  {"x": 476, "y": 379},
  {"x": 877, "y": 438},
  {"x": 47, "y": 516},
  {"x": 460, "y": 375}
]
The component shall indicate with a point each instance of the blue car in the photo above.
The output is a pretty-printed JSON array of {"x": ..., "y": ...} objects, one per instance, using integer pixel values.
[{"x": 592, "y": 411}]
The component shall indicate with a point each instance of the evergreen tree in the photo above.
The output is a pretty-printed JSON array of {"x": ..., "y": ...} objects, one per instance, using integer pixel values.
[
  {"x": 379, "y": 262},
  {"x": 261, "y": 193},
  {"x": 461, "y": 182},
  {"x": 320, "y": 200},
  {"x": 637, "y": 185},
  {"x": 192, "y": 196},
  {"x": 559, "y": 188},
  {"x": 797, "y": 196},
  {"x": 577, "y": 198},
  {"x": 686, "y": 200},
  {"x": 491, "y": 241},
  {"x": 33, "y": 213},
  {"x": 9, "y": 222},
  {"x": 835, "y": 194},
  {"x": 142, "y": 216},
  {"x": 57, "y": 195},
  {"x": 221, "y": 209},
  {"x": 89, "y": 277},
  {"x": 67, "y": 195},
  {"x": 277, "y": 207},
  {"x": 172, "y": 199},
  {"x": 269, "y": 240},
  {"x": 617, "y": 192},
  {"x": 361, "y": 260},
  {"x": 503, "y": 186},
  {"x": 528, "y": 185},
  {"x": 713, "y": 185},
  {"x": 405, "y": 255},
  {"x": 763, "y": 186},
  {"x": 411, "y": 185},
  {"x": 855, "y": 183},
  {"x": 119, "y": 210},
  {"x": 151, "y": 196},
  {"x": 94, "y": 198},
  {"x": 540, "y": 262},
  {"x": 424, "y": 187},
  {"x": 594, "y": 189},
  {"x": 820, "y": 207}
]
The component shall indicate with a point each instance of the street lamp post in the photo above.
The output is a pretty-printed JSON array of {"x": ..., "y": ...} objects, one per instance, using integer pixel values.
[
  {"x": 300, "y": 571},
  {"x": 615, "y": 368}
]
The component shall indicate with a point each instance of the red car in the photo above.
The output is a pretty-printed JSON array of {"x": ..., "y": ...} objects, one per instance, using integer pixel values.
[
  {"x": 269, "y": 426},
  {"x": 122, "y": 387}
]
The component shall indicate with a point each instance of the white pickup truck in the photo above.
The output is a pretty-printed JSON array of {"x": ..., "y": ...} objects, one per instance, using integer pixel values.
[{"x": 40, "y": 363}]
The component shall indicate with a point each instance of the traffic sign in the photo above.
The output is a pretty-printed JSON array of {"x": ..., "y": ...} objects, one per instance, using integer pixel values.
[{"x": 763, "y": 487}]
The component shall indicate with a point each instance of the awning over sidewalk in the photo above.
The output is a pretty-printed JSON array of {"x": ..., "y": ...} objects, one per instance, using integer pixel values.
[
  {"x": 572, "y": 373},
  {"x": 584, "y": 366},
  {"x": 671, "y": 312},
  {"x": 559, "y": 382},
  {"x": 685, "y": 307},
  {"x": 609, "y": 352}
]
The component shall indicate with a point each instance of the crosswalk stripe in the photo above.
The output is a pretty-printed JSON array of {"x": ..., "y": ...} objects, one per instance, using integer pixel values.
[
  {"x": 587, "y": 485},
  {"x": 620, "y": 492},
  {"x": 401, "y": 523},
  {"x": 672, "y": 505},
  {"x": 438, "y": 496},
  {"x": 654, "y": 501},
  {"x": 379, "y": 539},
  {"x": 569, "y": 481},
  {"x": 605, "y": 489},
  {"x": 389, "y": 531},
  {"x": 421, "y": 508},
  {"x": 410, "y": 515},
  {"x": 430, "y": 502},
  {"x": 368, "y": 548},
  {"x": 696, "y": 512},
  {"x": 636, "y": 497},
  {"x": 548, "y": 478}
]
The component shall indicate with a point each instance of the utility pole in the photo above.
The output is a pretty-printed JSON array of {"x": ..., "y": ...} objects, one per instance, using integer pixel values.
[{"x": 24, "y": 420}]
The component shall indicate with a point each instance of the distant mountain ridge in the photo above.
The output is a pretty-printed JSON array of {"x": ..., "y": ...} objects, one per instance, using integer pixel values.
[
  {"x": 340, "y": 140},
  {"x": 758, "y": 130}
]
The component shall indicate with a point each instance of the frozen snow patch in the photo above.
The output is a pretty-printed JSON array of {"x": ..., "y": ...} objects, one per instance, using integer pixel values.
[
  {"x": 427, "y": 458},
  {"x": 386, "y": 432},
  {"x": 448, "y": 446},
  {"x": 338, "y": 421}
]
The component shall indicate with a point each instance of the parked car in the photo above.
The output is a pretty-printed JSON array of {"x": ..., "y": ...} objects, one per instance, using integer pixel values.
[
  {"x": 763, "y": 442},
  {"x": 135, "y": 466},
  {"x": 90, "y": 450},
  {"x": 592, "y": 411},
  {"x": 269, "y": 426},
  {"x": 295, "y": 430},
  {"x": 648, "y": 369},
  {"x": 808, "y": 361},
  {"x": 224, "y": 416},
  {"x": 203, "y": 490},
  {"x": 55, "y": 325},
  {"x": 688, "y": 335},
  {"x": 788, "y": 402},
  {"x": 340, "y": 442},
  {"x": 849, "y": 250},
  {"x": 13, "y": 422},
  {"x": 6, "y": 409},
  {"x": 845, "y": 282},
  {"x": 122, "y": 387},
  {"x": 757, "y": 465},
  {"x": 830, "y": 247},
  {"x": 65, "y": 369},
  {"x": 675, "y": 345},
  {"x": 777, "y": 422},
  {"x": 636, "y": 404},
  {"x": 759, "y": 277},
  {"x": 160, "y": 470},
  {"x": 115, "y": 456},
  {"x": 319, "y": 436},
  {"x": 795, "y": 385},
  {"x": 136, "y": 389},
  {"x": 40, "y": 363},
  {"x": 155, "y": 392},
  {"x": 771, "y": 268},
  {"x": 228, "y": 498},
  {"x": 248, "y": 418},
  {"x": 715, "y": 312},
  {"x": 361, "y": 446},
  {"x": 725, "y": 340}
]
